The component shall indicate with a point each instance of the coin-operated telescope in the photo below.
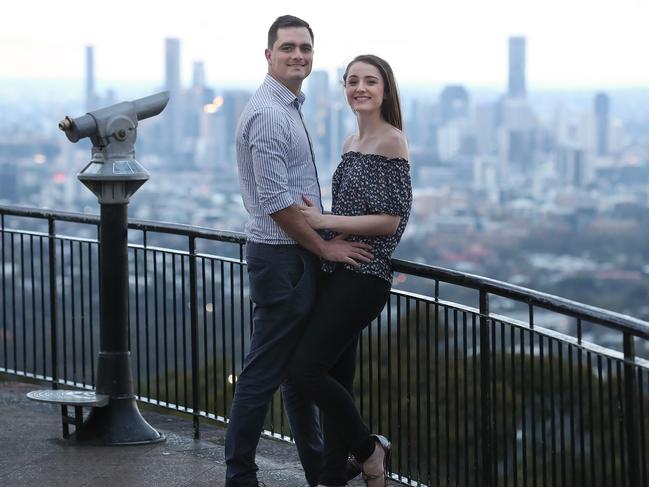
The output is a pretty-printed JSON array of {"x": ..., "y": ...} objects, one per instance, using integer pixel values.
[{"x": 113, "y": 175}]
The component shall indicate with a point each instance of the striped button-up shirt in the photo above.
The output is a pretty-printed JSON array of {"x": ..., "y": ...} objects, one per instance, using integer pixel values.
[{"x": 275, "y": 159}]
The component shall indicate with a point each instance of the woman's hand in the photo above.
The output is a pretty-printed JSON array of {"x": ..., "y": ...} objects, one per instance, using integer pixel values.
[{"x": 312, "y": 215}]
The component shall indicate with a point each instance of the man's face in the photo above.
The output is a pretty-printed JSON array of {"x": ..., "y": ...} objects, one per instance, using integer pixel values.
[{"x": 291, "y": 58}]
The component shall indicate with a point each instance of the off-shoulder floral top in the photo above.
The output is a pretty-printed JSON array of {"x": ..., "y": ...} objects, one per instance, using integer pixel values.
[{"x": 367, "y": 184}]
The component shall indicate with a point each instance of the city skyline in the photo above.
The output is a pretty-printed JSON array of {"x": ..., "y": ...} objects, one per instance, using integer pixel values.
[
  {"x": 569, "y": 45},
  {"x": 496, "y": 172}
]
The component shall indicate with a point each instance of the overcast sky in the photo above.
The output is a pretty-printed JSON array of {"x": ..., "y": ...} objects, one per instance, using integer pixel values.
[{"x": 570, "y": 43}]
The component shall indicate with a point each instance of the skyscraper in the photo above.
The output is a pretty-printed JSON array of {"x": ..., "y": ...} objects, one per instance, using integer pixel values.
[
  {"x": 339, "y": 112},
  {"x": 602, "y": 122},
  {"x": 452, "y": 131},
  {"x": 172, "y": 113},
  {"x": 519, "y": 128},
  {"x": 172, "y": 65},
  {"x": 199, "y": 74},
  {"x": 8, "y": 181},
  {"x": 517, "y": 86},
  {"x": 453, "y": 103},
  {"x": 486, "y": 126},
  {"x": 234, "y": 101},
  {"x": 194, "y": 101},
  {"x": 91, "y": 96},
  {"x": 316, "y": 112}
]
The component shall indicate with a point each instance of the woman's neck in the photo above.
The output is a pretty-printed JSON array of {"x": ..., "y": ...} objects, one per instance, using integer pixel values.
[{"x": 369, "y": 124}]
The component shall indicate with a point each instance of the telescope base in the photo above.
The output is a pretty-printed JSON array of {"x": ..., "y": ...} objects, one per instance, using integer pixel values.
[{"x": 118, "y": 423}]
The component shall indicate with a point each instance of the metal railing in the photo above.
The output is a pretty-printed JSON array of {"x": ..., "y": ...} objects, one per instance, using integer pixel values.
[{"x": 468, "y": 396}]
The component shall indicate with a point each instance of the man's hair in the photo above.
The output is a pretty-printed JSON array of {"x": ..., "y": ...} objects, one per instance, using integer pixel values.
[{"x": 283, "y": 22}]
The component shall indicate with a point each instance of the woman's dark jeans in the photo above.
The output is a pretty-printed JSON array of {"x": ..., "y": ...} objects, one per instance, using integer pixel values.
[{"x": 323, "y": 366}]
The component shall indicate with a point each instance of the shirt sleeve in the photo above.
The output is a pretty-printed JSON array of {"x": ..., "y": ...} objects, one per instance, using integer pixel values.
[
  {"x": 270, "y": 142},
  {"x": 389, "y": 191}
]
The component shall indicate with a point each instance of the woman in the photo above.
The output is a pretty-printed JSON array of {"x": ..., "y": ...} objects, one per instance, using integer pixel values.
[{"x": 372, "y": 196}]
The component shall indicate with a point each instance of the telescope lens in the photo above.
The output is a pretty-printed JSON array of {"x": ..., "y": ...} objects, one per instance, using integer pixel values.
[{"x": 65, "y": 124}]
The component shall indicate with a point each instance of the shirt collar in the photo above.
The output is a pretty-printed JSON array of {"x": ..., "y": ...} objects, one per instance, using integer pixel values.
[{"x": 284, "y": 95}]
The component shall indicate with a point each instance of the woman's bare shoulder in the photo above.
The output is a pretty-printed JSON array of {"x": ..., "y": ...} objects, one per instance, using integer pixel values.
[
  {"x": 349, "y": 142},
  {"x": 393, "y": 144}
]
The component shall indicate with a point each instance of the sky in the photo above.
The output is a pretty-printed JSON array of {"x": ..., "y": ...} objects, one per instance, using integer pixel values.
[{"x": 570, "y": 43}]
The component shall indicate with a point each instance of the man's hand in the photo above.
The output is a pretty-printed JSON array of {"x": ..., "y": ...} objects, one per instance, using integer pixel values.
[
  {"x": 336, "y": 250},
  {"x": 312, "y": 215},
  {"x": 340, "y": 250}
]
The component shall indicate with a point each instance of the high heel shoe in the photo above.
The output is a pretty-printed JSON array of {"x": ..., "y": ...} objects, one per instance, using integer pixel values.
[
  {"x": 385, "y": 444},
  {"x": 353, "y": 469}
]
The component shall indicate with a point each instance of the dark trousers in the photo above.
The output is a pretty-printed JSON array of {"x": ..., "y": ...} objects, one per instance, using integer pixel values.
[
  {"x": 283, "y": 287},
  {"x": 324, "y": 364}
]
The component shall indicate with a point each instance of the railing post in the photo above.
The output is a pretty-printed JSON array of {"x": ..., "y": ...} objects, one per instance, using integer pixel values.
[
  {"x": 194, "y": 333},
  {"x": 486, "y": 422},
  {"x": 629, "y": 412},
  {"x": 51, "y": 238},
  {"x": 4, "y": 300}
]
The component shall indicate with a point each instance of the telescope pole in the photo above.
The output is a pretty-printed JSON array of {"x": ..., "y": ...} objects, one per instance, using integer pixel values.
[{"x": 119, "y": 422}]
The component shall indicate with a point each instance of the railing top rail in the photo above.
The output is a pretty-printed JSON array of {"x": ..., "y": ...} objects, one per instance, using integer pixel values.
[
  {"x": 58, "y": 215},
  {"x": 135, "y": 224},
  {"x": 549, "y": 302}
]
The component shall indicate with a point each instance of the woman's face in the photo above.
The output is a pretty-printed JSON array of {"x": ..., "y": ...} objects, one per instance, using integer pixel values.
[{"x": 364, "y": 87}]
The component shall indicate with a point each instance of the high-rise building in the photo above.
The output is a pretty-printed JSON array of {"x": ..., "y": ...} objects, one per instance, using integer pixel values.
[
  {"x": 453, "y": 103},
  {"x": 336, "y": 129},
  {"x": 212, "y": 151},
  {"x": 91, "y": 95},
  {"x": 198, "y": 80},
  {"x": 339, "y": 112},
  {"x": 422, "y": 124},
  {"x": 234, "y": 101},
  {"x": 602, "y": 123},
  {"x": 571, "y": 166},
  {"x": 316, "y": 113},
  {"x": 8, "y": 181},
  {"x": 449, "y": 141},
  {"x": 172, "y": 65},
  {"x": 517, "y": 86},
  {"x": 172, "y": 114},
  {"x": 194, "y": 101},
  {"x": 453, "y": 127},
  {"x": 519, "y": 127},
  {"x": 486, "y": 126}
]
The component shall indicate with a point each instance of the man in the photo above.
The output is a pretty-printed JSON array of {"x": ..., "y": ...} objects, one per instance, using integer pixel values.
[{"x": 276, "y": 168}]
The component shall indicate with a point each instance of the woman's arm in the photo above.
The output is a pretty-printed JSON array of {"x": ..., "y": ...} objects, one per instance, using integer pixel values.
[
  {"x": 368, "y": 225},
  {"x": 393, "y": 145}
]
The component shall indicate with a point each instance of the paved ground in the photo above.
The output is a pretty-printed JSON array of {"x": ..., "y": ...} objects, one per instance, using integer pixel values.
[{"x": 33, "y": 452}]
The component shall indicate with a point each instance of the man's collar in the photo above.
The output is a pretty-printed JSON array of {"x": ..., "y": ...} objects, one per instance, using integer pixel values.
[{"x": 285, "y": 95}]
